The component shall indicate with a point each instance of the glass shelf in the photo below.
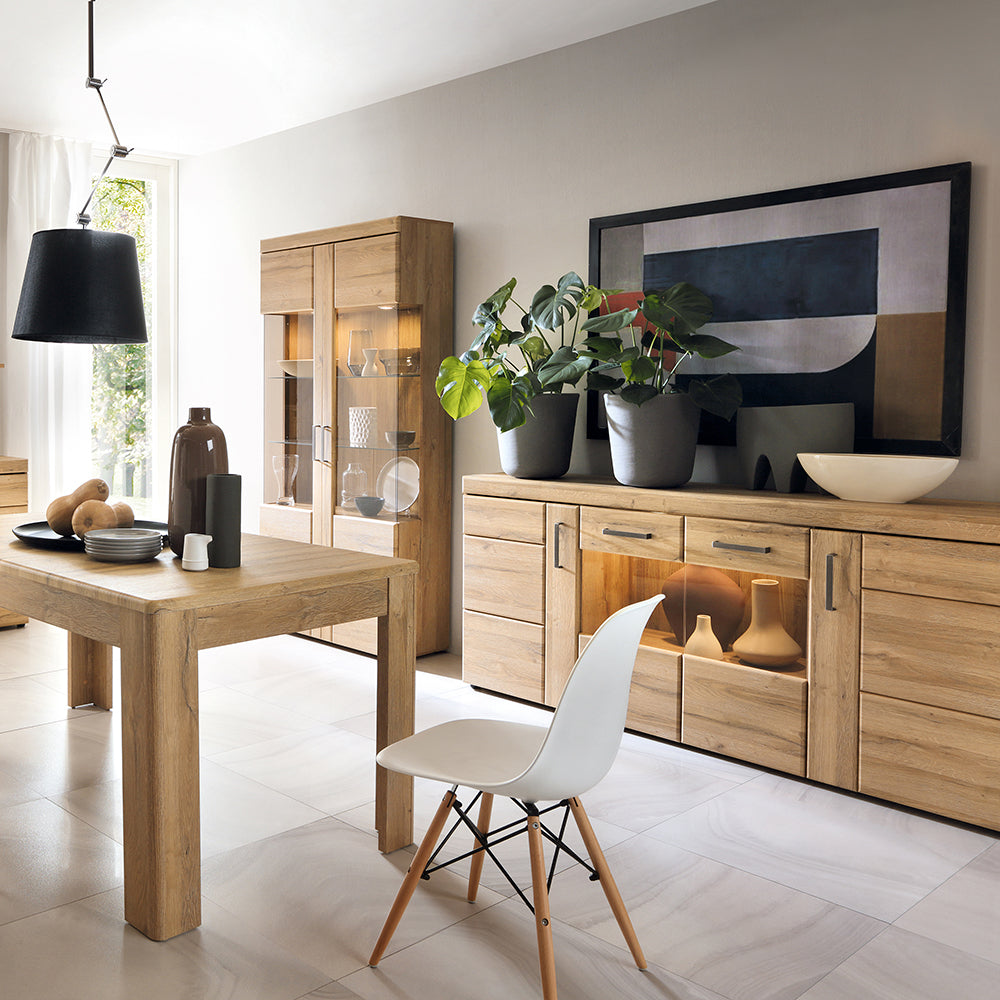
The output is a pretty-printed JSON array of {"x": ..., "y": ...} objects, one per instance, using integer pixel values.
[
  {"x": 377, "y": 447},
  {"x": 365, "y": 378}
]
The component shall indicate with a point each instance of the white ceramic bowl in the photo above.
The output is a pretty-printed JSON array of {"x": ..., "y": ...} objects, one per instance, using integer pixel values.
[{"x": 877, "y": 478}]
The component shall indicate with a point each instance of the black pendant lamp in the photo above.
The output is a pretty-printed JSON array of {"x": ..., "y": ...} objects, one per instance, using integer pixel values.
[{"x": 82, "y": 286}]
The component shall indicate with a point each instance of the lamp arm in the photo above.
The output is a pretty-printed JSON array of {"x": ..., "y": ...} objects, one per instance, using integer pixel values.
[{"x": 117, "y": 150}]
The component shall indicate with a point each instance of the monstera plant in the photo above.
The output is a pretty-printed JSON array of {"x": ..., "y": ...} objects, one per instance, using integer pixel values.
[
  {"x": 652, "y": 420},
  {"x": 512, "y": 363}
]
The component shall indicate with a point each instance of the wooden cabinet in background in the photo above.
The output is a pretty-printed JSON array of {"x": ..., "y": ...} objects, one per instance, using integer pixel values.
[
  {"x": 896, "y": 608},
  {"x": 13, "y": 500},
  {"x": 384, "y": 286}
]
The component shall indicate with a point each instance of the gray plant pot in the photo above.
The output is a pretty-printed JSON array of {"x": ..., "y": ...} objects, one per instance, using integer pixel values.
[
  {"x": 541, "y": 447},
  {"x": 653, "y": 445},
  {"x": 768, "y": 439}
]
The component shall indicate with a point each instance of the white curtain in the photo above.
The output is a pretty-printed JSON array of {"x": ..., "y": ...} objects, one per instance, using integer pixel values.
[{"x": 45, "y": 388}]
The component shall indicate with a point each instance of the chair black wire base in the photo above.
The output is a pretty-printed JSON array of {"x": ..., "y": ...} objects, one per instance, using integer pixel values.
[{"x": 486, "y": 842}]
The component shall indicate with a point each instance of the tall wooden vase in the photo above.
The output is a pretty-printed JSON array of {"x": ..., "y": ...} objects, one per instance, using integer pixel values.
[
  {"x": 766, "y": 643},
  {"x": 199, "y": 449}
]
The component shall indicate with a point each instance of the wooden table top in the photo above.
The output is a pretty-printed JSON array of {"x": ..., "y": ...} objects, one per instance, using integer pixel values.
[{"x": 271, "y": 567}]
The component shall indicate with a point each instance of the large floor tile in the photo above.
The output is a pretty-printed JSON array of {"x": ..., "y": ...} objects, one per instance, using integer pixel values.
[
  {"x": 24, "y": 702},
  {"x": 31, "y": 649},
  {"x": 326, "y": 768},
  {"x": 965, "y": 911},
  {"x": 875, "y": 859},
  {"x": 323, "y": 891},
  {"x": 228, "y": 719},
  {"x": 48, "y": 857},
  {"x": 57, "y": 757},
  {"x": 84, "y": 951},
  {"x": 234, "y": 810},
  {"x": 898, "y": 965},
  {"x": 743, "y": 936},
  {"x": 493, "y": 956}
]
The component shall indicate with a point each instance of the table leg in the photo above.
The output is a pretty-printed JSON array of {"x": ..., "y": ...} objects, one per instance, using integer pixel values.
[
  {"x": 89, "y": 672},
  {"x": 160, "y": 773},
  {"x": 397, "y": 666}
]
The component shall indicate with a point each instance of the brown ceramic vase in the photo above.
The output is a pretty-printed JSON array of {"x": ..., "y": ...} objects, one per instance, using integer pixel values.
[
  {"x": 701, "y": 590},
  {"x": 199, "y": 449}
]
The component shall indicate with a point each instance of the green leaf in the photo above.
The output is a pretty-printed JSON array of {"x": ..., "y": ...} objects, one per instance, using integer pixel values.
[
  {"x": 488, "y": 313},
  {"x": 704, "y": 345},
  {"x": 533, "y": 348},
  {"x": 551, "y": 307},
  {"x": 601, "y": 348},
  {"x": 599, "y": 380},
  {"x": 721, "y": 395},
  {"x": 637, "y": 392},
  {"x": 641, "y": 369},
  {"x": 682, "y": 305},
  {"x": 506, "y": 401},
  {"x": 609, "y": 322},
  {"x": 563, "y": 367},
  {"x": 460, "y": 386}
]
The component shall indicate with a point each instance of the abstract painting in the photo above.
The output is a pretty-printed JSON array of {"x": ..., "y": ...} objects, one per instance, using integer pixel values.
[{"x": 851, "y": 291}]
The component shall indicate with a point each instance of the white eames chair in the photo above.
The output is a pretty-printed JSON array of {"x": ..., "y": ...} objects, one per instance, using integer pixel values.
[{"x": 530, "y": 764}]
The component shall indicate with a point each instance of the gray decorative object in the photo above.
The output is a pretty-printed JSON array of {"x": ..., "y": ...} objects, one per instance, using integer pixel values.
[
  {"x": 768, "y": 439},
  {"x": 541, "y": 447}
]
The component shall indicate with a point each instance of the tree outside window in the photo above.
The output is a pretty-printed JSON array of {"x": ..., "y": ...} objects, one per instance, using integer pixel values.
[{"x": 122, "y": 374}]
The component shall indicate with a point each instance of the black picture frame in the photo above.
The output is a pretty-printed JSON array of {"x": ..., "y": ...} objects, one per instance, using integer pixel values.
[{"x": 877, "y": 266}]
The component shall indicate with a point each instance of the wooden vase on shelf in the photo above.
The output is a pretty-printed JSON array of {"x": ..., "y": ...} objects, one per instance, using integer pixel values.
[
  {"x": 701, "y": 590},
  {"x": 199, "y": 449},
  {"x": 766, "y": 643}
]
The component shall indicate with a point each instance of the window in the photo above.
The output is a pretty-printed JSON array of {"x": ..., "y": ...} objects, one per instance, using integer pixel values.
[{"x": 132, "y": 402}]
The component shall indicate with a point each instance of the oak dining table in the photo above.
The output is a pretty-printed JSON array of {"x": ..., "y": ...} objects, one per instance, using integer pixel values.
[{"x": 159, "y": 616}]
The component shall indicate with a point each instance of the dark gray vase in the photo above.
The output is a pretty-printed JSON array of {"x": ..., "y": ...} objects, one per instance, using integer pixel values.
[
  {"x": 653, "y": 445},
  {"x": 541, "y": 447},
  {"x": 769, "y": 438}
]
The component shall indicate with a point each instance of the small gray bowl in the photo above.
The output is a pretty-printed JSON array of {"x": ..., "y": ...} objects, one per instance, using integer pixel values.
[
  {"x": 400, "y": 439},
  {"x": 369, "y": 506}
]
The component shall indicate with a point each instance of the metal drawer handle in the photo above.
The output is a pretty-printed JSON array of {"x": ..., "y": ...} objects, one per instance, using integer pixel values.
[
  {"x": 555, "y": 545},
  {"x": 761, "y": 550},
  {"x": 829, "y": 581},
  {"x": 627, "y": 534}
]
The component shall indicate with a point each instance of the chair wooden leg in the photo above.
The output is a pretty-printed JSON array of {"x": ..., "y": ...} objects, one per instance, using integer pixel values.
[
  {"x": 413, "y": 874},
  {"x": 607, "y": 881},
  {"x": 543, "y": 924},
  {"x": 483, "y": 825}
]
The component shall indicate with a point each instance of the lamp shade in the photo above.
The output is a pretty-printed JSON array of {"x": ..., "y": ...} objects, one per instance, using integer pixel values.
[{"x": 81, "y": 287}]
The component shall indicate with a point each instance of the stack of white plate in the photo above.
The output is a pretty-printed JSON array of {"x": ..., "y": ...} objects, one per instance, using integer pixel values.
[{"x": 123, "y": 545}]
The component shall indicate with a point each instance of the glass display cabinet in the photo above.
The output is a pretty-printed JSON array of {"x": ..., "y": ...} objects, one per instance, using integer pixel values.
[{"x": 357, "y": 320}]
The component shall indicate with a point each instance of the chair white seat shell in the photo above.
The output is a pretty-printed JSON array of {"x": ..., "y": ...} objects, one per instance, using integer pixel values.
[{"x": 531, "y": 764}]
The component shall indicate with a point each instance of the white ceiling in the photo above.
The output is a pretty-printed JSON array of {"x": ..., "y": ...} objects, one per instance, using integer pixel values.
[{"x": 189, "y": 76}]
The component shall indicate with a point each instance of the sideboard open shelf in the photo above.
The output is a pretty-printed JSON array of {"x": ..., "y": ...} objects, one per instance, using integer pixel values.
[{"x": 896, "y": 609}]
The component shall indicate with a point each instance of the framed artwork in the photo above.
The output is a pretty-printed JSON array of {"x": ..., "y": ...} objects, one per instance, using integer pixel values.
[{"x": 845, "y": 292}]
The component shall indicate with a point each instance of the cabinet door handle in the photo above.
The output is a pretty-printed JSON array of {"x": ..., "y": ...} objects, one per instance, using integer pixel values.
[
  {"x": 317, "y": 456},
  {"x": 626, "y": 534},
  {"x": 556, "y": 564},
  {"x": 830, "y": 556},
  {"x": 761, "y": 550}
]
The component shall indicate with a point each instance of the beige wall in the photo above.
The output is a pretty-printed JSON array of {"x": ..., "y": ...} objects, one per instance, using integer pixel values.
[{"x": 732, "y": 98}]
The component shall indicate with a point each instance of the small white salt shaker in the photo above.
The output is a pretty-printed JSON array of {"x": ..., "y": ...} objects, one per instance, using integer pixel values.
[{"x": 195, "y": 555}]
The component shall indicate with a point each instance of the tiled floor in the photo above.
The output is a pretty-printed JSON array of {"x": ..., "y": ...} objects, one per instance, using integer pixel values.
[{"x": 741, "y": 884}]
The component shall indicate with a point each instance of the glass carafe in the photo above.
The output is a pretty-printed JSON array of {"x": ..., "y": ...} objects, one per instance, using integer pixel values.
[{"x": 354, "y": 483}]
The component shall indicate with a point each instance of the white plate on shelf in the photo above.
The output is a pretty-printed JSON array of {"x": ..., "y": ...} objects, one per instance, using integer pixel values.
[
  {"x": 399, "y": 484},
  {"x": 301, "y": 368}
]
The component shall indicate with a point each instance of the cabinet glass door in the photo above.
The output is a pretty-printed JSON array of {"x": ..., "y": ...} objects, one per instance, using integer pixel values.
[
  {"x": 378, "y": 412},
  {"x": 288, "y": 409}
]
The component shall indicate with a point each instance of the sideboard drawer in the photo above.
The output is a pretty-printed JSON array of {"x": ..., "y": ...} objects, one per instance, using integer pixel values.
[
  {"x": 514, "y": 520},
  {"x": 764, "y": 549},
  {"x": 951, "y": 660},
  {"x": 957, "y": 571},
  {"x": 745, "y": 712},
  {"x": 930, "y": 758},
  {"x": 632, "y": 533},
  {"x": 504, "y": 655},
  {"x": 505, "y": 578}
]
